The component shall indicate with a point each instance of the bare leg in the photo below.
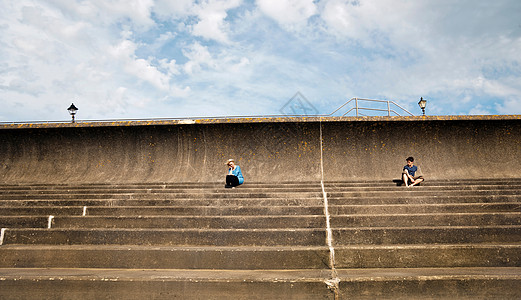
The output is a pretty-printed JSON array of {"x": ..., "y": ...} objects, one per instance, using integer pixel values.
[
  {"x": 405, "y": 178},
  {"x": 418, "y": 180}
]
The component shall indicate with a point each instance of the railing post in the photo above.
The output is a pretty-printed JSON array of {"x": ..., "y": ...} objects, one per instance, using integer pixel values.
[
  {"x": 356, "y": 105},
  {"x": 388, "y": 109}
]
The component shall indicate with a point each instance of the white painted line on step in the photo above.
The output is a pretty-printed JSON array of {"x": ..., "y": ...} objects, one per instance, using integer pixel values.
[
  {"x": 49, "y": 223},
  {"x": 2, "y": 233},
  {"x": 84, "y": 211},
  {"x": 332, "y": 283}
]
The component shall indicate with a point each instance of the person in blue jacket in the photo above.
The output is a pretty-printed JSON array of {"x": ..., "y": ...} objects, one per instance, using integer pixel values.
[
  {"x": 411, "y": 174},
  {"x": 234, "y": 176}
]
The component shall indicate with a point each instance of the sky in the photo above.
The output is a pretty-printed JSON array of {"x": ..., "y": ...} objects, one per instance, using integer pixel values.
[{"x": 142, "y": 59}]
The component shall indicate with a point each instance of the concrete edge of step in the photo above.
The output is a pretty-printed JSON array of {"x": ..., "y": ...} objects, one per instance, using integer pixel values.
[
  {"x": 115, "y": 247},
  {"x": 295, "y": 275}
]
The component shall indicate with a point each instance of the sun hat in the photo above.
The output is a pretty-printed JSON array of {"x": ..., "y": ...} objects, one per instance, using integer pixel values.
[{"x": 230, "y": 160}]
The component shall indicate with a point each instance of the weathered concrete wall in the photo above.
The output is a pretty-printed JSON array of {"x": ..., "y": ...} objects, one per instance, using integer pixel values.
[
  {"x": 480, "y": 148},
  {"x": 164, "y": 153},
  {"x": 275, "y": 149}
]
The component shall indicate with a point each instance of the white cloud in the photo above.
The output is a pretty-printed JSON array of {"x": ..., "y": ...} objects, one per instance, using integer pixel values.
[
  {"x": 167, "y": 9},
  {"x": 479, "y": 110},
  {"x": 288, "y": 13},
  {"x": 107, "y": 13},
  {"x": 342, "y": 19},
  {"x": 211, "y": 26},
  {"x": 199, "y": 57},
  {"x": 510, "y": 106},
  {"x": 54, "y": 54},
  {"x": 426, "y": 47},
  {"x": 171, "y": 66},
  {"x": 211, "y": 14}
]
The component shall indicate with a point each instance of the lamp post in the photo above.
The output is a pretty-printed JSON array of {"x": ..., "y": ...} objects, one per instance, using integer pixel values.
[
  {"x": 422, "y": 105},
  {"x": 72, "y": 110}
]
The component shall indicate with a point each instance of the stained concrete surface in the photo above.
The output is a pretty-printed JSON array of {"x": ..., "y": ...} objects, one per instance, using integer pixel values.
[
  {"x": 267, "y": 149},
  {"x": 298, "y": 284},
  {"x": 392, "y": 260}
]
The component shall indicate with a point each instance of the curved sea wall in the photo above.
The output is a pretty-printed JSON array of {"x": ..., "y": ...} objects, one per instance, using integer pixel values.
[{"x": 267, "y": 149}]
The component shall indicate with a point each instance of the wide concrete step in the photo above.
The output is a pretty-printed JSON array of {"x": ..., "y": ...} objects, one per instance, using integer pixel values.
[
  {"x": 41, "y": 211},
  {"x": 430, "y": 283},
  {"x": 246, "y": 189},
  {"x": 266, "y": 237},
  {"x": 265, "y": 221},
  {"x": 381, "y": 197},
  {"x": 428, "y": 256},
  {"x": 24, "y": 221},
  {"x": 159, "y": 186},
  {"x": 264, "y": 201},
  {"x": 423, "y": 208},
  {"x": 155, "y": 257},
  {"x": 427, "y": 235},
  {"x": 172, "y": 191},
  {"x": 260, "y": 257},
  {"x": 430, "y": 199},
  {"x": 167, "y": 237},
  {"x": 258, "y": 210},
  {"x": 462, "y": 183},
  {"x": 216, "y": 222},
  {"x": 452, "y": 188},
  {"x": 428, "y": 182},
  {"x": 208, "y": 210},
  {"x": 426, "y": 219},
  {"x": 230, "y": 222},
  {"x": 163, "y": 284},
  {"x": 163, "y": 196},
  {"x": 171, "y": 202},
  {"x": 162, "y": 210},
  {"x": 406, "y": 283},
  {"x": 419, "y": 191}
]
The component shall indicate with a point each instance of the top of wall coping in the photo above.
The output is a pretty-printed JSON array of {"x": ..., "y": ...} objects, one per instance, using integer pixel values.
[{"x": 231, "y": 120}]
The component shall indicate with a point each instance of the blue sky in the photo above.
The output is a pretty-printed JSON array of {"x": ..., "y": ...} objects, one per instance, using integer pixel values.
[{"x": 127, "y": 59}]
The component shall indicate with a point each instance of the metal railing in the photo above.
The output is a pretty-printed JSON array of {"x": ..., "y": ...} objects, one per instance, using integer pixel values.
[
  {"x": 357, "y": 108},
  {"x": 389, "y": 107}
]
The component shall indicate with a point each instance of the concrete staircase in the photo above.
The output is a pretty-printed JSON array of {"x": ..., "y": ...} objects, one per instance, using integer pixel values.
[{"x": 259, "y": 241}]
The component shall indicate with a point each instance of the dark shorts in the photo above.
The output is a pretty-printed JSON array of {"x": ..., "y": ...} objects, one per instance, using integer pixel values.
[{"x": 232, "y": 180}]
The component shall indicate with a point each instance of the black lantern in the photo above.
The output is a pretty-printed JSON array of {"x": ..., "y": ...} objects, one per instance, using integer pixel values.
[
  {"x": 72, "y": 110},
  {"x": 422, "y": 105}
]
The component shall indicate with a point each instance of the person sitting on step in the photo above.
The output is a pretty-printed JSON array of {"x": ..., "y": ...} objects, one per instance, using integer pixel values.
[
  {"x": 234, "y": 177},
  {"x": 411, "y": 174}
]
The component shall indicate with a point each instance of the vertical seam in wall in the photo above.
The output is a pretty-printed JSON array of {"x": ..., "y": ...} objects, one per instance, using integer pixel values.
[{"x": 333, "y": 282}]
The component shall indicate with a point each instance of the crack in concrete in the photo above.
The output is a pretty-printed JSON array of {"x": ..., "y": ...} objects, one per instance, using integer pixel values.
[{"x": 333, "y": 283}]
